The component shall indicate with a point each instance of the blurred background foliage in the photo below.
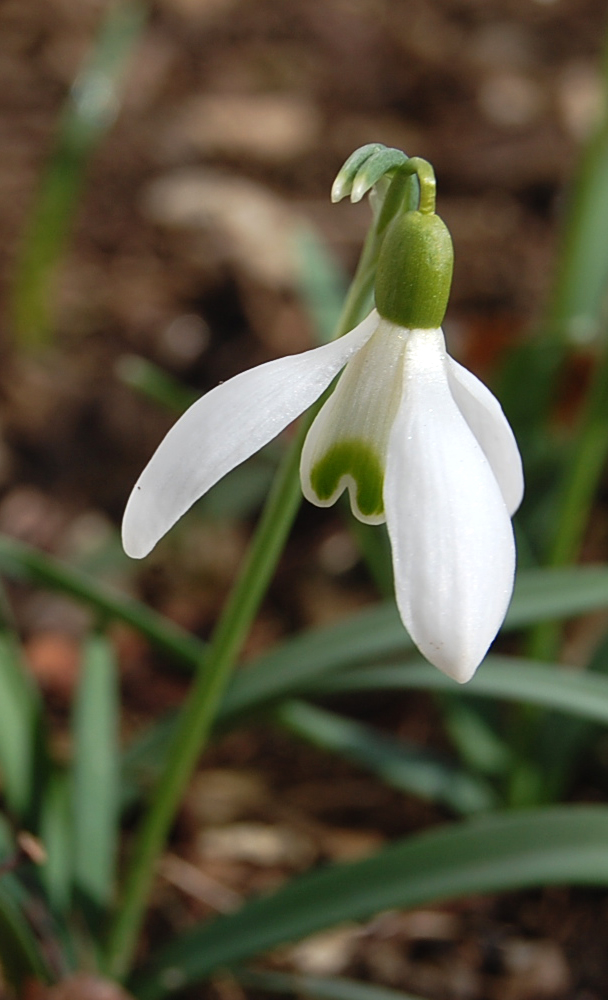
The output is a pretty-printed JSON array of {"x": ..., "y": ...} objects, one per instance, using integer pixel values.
[{"x": 164, "y": 193}]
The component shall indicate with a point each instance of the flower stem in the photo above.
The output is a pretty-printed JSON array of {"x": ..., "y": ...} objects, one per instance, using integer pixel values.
[
  {"x": 199, "y": 711},
  {"x": 198, "y": 714}
]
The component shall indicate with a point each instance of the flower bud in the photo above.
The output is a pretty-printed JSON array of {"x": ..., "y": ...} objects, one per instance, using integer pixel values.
[{"x": 414, "y": 272}]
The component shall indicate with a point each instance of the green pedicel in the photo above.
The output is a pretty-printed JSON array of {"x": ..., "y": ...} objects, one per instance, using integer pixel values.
[{"x": 351, "y": 458}]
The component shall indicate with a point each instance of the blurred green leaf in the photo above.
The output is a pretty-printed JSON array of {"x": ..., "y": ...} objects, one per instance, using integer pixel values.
[
  {"x": 57, "y": 835},
  {"x": 378, "y": 632},
  {"x": 373, "y": 632},
  {"x": 143, "y": 759},
  {"x": 497, "y": 853},
  {"x": 21, "y": 956},
  {"x": 319, "y": 987},
  {"x": 303, "y": 663},
  {"x": 95, "y": 774},
  {"x": 154, "y": 383},
  {"x": 89, "y": 112},
  {"x": 404, "y": 766},
  {"x": 375, "y": 547},
  {"x": 322, "y": 283},
  {"x": 579, "y": 298},
  {"x": 544, "y": 594},
  {"x": 243, "y": 491},
  {"x": 540, "y": 594},
  {"x": 575, "y": 314},
  {"x": 557, "y": 745},
  {"x": 19, "y": 728},
  {"x": 475, "y": 736},
  {"x": 548, "y": 685},
  {"x": 525, "y": 385},
  {"x": 19, "y": 561}
]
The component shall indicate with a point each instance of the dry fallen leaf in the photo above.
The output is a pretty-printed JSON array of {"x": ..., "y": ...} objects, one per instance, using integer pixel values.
[
  {"x": 270, "y": 127},
  {"x": 257, "y": 844},
  {"x": 255, "y": 229}
]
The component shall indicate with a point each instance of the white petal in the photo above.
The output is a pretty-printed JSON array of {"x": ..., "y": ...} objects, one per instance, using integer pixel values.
[
  {"x": 486, "y": 418},
  {"x": 451, "y": 536},
  {"x": 224, "y": 428},
  {"x": 347, "y": 443}
]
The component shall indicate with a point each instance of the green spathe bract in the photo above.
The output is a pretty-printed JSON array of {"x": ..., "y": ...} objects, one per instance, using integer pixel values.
[
  {"x": 415, "y": 271},
  {"x": 358, "y": 460}
]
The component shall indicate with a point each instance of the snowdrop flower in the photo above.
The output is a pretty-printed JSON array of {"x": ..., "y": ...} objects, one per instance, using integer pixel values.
[{"x": 416, "y": 439}]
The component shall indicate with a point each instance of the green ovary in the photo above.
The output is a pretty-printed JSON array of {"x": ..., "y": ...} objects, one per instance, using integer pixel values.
[{"x": 356, "y": 459}]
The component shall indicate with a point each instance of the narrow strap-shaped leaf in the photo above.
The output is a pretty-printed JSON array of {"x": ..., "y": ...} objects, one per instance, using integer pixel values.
[
  {"x": 579, "y": 294},
  {"x": 321, "y": 987},
  {"x": 155, "y": 383},
  {"x": 292, "y": 667},
  {"x": 19, "y": 724},
  {"x": 474, "y": 735},
  {"x": 547, "y": 594},
  {"x": 20, "y": 955},
  {"x": 404, "y": 766},
  {"x": 378, "y": 632},
  {"x": 318, "y": 660},
  {"x": 95, "y": 771},
  {"x": 539, "y": 595},
  {"x": 89, "y": 111},
  {"x": 24, "y": 563},
  {"x": 497, "y": 853},
  {"x": 321, "y": 282},
  {"x": 548, "y": 685},
  {"x": 374, "y": 632},
  {"x": 56, "y": 831}
]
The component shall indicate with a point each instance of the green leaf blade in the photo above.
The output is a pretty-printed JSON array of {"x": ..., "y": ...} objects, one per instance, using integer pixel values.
[
  {"x": 56, "y": 829},
  {"x": 408, "y": 768},
  {"x": 378, "y": 632},
  {"x": 502, "y": 852},
  {"x": 26, "y": 564},
  {"x": 20, "y": 953},
  {"x": 321, "y": 987},
  {"x": 549, "y": 686},
  {"x": 19, "y": 725},
  {"x": 95, "y": 774}
]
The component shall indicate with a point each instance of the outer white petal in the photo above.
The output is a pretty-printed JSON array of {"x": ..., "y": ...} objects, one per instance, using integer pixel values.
[
  {"x": 486, "y": 418},
  {"x": 453, "y": 548},
  {"x": 224, "y": 428}
]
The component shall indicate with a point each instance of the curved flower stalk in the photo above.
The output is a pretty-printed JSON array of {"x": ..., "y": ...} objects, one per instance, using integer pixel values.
[{"x": 418, "y": 442}]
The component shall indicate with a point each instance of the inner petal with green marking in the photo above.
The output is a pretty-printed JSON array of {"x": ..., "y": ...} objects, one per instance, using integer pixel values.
[
  {"x": 361, "y": 467},
  {"x": 347, "y": 443}
]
